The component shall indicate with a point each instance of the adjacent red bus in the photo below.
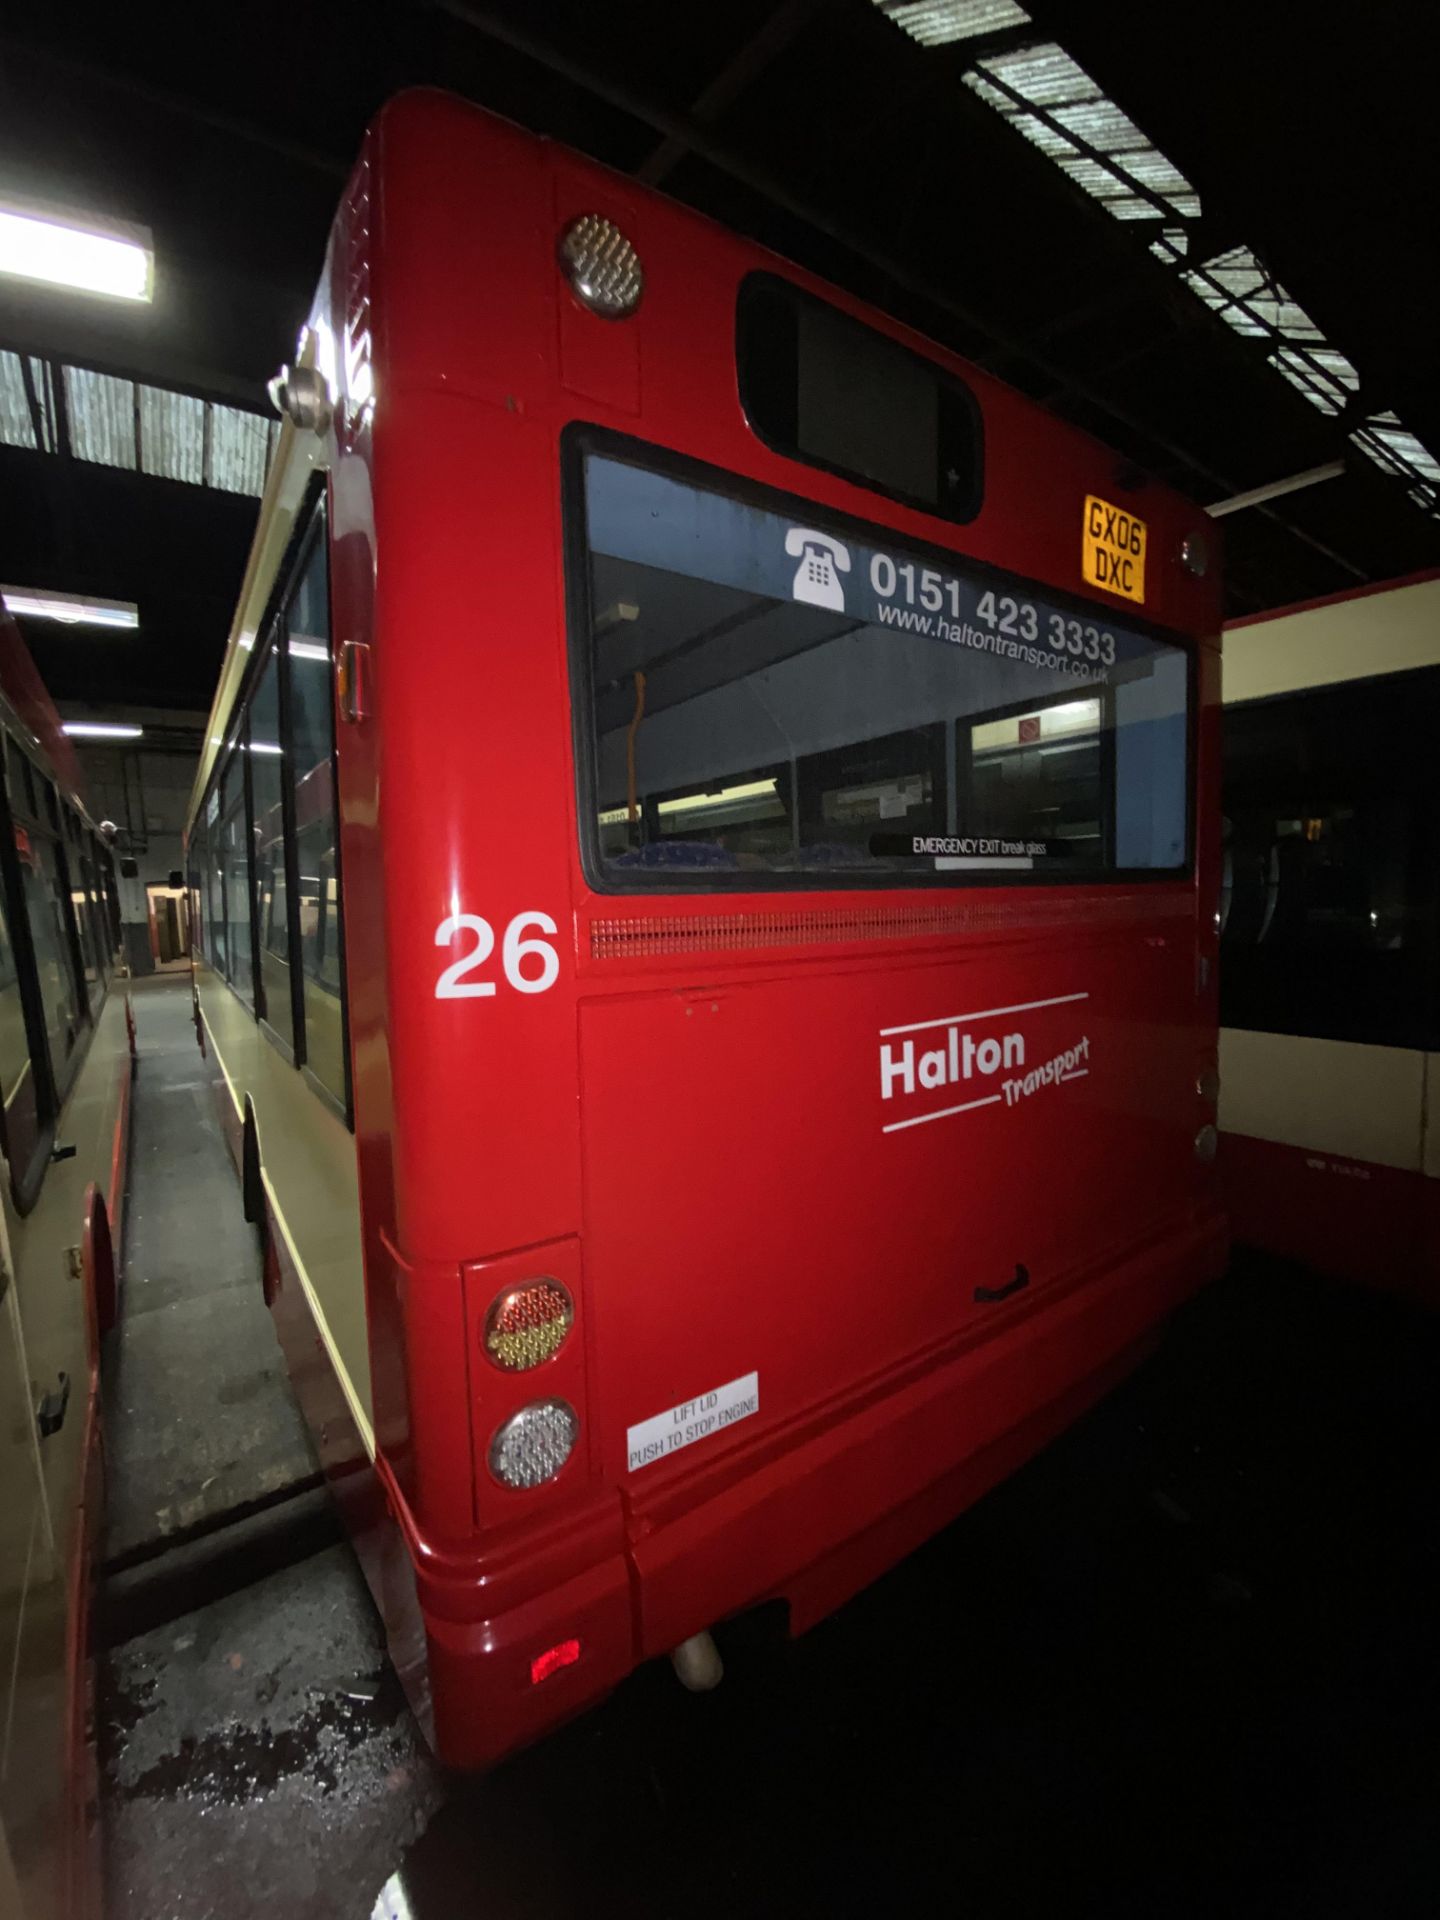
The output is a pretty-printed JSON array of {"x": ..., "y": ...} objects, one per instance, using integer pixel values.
[
  {"x": 66, "y": 1049},
  {"x": 708, "y": 871}
]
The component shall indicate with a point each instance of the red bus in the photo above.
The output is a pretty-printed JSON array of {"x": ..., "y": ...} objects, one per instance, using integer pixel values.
[
  {"x": 708, "y": 871},
  {"x": 66, "y": 1050}
]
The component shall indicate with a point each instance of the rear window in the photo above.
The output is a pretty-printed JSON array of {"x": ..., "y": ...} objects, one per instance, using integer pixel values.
[
  {"x": 766, "y": 701},
  {"x": 821, "y": 387}
]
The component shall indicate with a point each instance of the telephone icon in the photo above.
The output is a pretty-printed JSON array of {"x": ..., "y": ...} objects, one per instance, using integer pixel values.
[{"x": 816, "y": 579}]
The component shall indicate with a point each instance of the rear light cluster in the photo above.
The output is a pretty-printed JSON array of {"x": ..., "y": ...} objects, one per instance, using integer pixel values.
[
  {"x": 533, "y": 1445},
  {"x": 525, "y": 1327},
  {"x": 528, "y": 1325}
]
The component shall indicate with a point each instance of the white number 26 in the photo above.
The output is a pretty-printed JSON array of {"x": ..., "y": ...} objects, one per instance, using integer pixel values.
[{"x": 516, "y": 950}]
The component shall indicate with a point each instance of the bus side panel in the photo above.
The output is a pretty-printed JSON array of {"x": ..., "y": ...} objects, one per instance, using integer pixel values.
[
  {"x": 1351, "y": 1219},
  {"x": 347, "y": 291},
  {"x": 485, "y": 1155},
  {"x": 456, "y": 803},
  {"x": 48, "y": 1335}
]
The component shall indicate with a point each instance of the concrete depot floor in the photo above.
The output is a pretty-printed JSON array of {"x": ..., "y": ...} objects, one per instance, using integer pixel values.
[{"x": 1185, "y": 1663}]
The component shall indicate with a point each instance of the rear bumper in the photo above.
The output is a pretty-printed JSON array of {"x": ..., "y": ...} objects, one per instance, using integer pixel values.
[{"x": 810, "y": 1524}]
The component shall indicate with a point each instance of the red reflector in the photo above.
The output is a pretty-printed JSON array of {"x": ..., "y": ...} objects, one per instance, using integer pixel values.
[{"x": 544, "y": 1664}]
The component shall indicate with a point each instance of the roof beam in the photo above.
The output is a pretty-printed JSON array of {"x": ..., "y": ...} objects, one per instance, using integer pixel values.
[
  {"x": 685, "y": 130},
  {"x": 783, "y": 26}
]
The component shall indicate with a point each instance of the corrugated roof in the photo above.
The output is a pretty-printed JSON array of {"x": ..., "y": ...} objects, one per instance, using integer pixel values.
[
  {"x": 939, "y": 23},
  {"x": 101, "y": 414},
  {"x": 1050, "y": 99},
  {"x": 116, "y": 422},
  {"x": 172, "y": 435}
]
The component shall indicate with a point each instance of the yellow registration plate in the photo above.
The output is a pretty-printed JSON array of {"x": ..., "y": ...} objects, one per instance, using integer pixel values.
[{"x": 1112, "y": 549}]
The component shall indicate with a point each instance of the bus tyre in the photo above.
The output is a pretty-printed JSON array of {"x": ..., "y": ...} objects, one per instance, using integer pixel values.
[
  {"x": 252, "y": 1187},
  {"x": 97, "y": 1262}
]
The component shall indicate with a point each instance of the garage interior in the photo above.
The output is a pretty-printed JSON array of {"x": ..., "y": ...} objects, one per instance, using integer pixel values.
[{"x": 1183, "y": 1661}]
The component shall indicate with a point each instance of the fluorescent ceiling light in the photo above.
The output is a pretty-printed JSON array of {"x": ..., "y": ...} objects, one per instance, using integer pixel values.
[
  {"x": 265, "y": 746},
  {"x": 65, "y": 253},
  {"x": 723, "y": 797},
  {"x": 308, "y": 650},
  {"x": 71, "y": 609},
  {"x": 99, "y": 730}
]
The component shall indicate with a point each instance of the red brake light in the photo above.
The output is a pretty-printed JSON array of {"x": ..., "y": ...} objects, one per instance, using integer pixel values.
[
  {"x": 527, "y": 1325},
  {"x": 544, "y": 1664}
]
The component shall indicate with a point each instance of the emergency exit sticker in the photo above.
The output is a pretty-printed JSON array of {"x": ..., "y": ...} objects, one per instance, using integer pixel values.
[
  {"x": 666, "y": 1433},
  {"x": 1112, "y": 549}
]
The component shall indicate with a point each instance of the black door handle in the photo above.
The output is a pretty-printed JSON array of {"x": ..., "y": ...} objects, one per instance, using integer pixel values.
[{"x": 987, "y": 1296}]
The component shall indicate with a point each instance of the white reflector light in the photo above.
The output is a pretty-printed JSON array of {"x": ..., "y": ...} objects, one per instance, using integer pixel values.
[
  {"x": 602, "y": 266},
  {"x": 525, "y": 1325},
  {"x": 534, "y": 1444}
]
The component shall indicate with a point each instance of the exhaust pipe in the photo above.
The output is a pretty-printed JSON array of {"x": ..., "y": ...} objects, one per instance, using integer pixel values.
[{"x": 697, "y": 1663}]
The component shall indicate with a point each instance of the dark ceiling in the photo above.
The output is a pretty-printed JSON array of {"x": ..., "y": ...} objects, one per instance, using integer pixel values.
[{"x": 814, "y": 125}]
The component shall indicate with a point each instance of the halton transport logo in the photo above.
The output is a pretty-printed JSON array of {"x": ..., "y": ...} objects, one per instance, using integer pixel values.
[{"x": 987, "y": 1058}]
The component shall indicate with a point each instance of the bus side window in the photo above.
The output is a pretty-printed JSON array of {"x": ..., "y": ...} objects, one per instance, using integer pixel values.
[
  {"x": 110, "y": 888},
  {"x": 235, "y": 845},
  {"x": 45, "y": 910},
  {"x": 312, "y": 770},
  {"x": 80, "y": 906},
  {"x": 95, "y": 898},
  {"x": 1330, "y": 869},
  {"x": 214, "y": 883},
  {"x": 267, "y": 794},
  {"x": 14, "y": 1043},
  {"x": 198, "y": 854}
]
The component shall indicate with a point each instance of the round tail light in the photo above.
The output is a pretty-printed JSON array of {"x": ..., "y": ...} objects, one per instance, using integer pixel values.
[
  {"x": 526, "y": 1325},
  {"x": 534, "y": 1444},
  {"x": 602, "y": 266}
]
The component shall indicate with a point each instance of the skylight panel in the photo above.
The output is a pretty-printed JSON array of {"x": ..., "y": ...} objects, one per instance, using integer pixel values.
[
  {"x": 115, "y": 422},
  {"x": 1101, "y": 124},
  {"x": 172, "y": 435},
  {"x": 101, "y": 414},
  {"x": 940, "y": 23},
  {"x": 1172, "y": 246},
  {"x": 1244, "y": 293},
  {"x": 1048, "y": 97},
  {"x": 1095, "y": 177},
  {"x": 17, "y": 429},
  {"x": 1043, "y": 76},
  {"x": 239, "y": 450},
  {"x": 1325, "y": 377},
  {"x": 1151, "y": 169},
  {"x": 1404, "y": 446},
  {"x": 1040, "y": 133}
]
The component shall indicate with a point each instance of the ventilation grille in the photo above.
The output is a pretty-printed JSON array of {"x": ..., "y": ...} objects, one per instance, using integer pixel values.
[{"x": 639, "y": 937}]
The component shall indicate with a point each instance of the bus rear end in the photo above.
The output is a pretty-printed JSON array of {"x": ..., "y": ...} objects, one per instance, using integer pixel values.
[
  {"x": 895, "y": 1026},
  {"x": 776, "y": 768}
]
